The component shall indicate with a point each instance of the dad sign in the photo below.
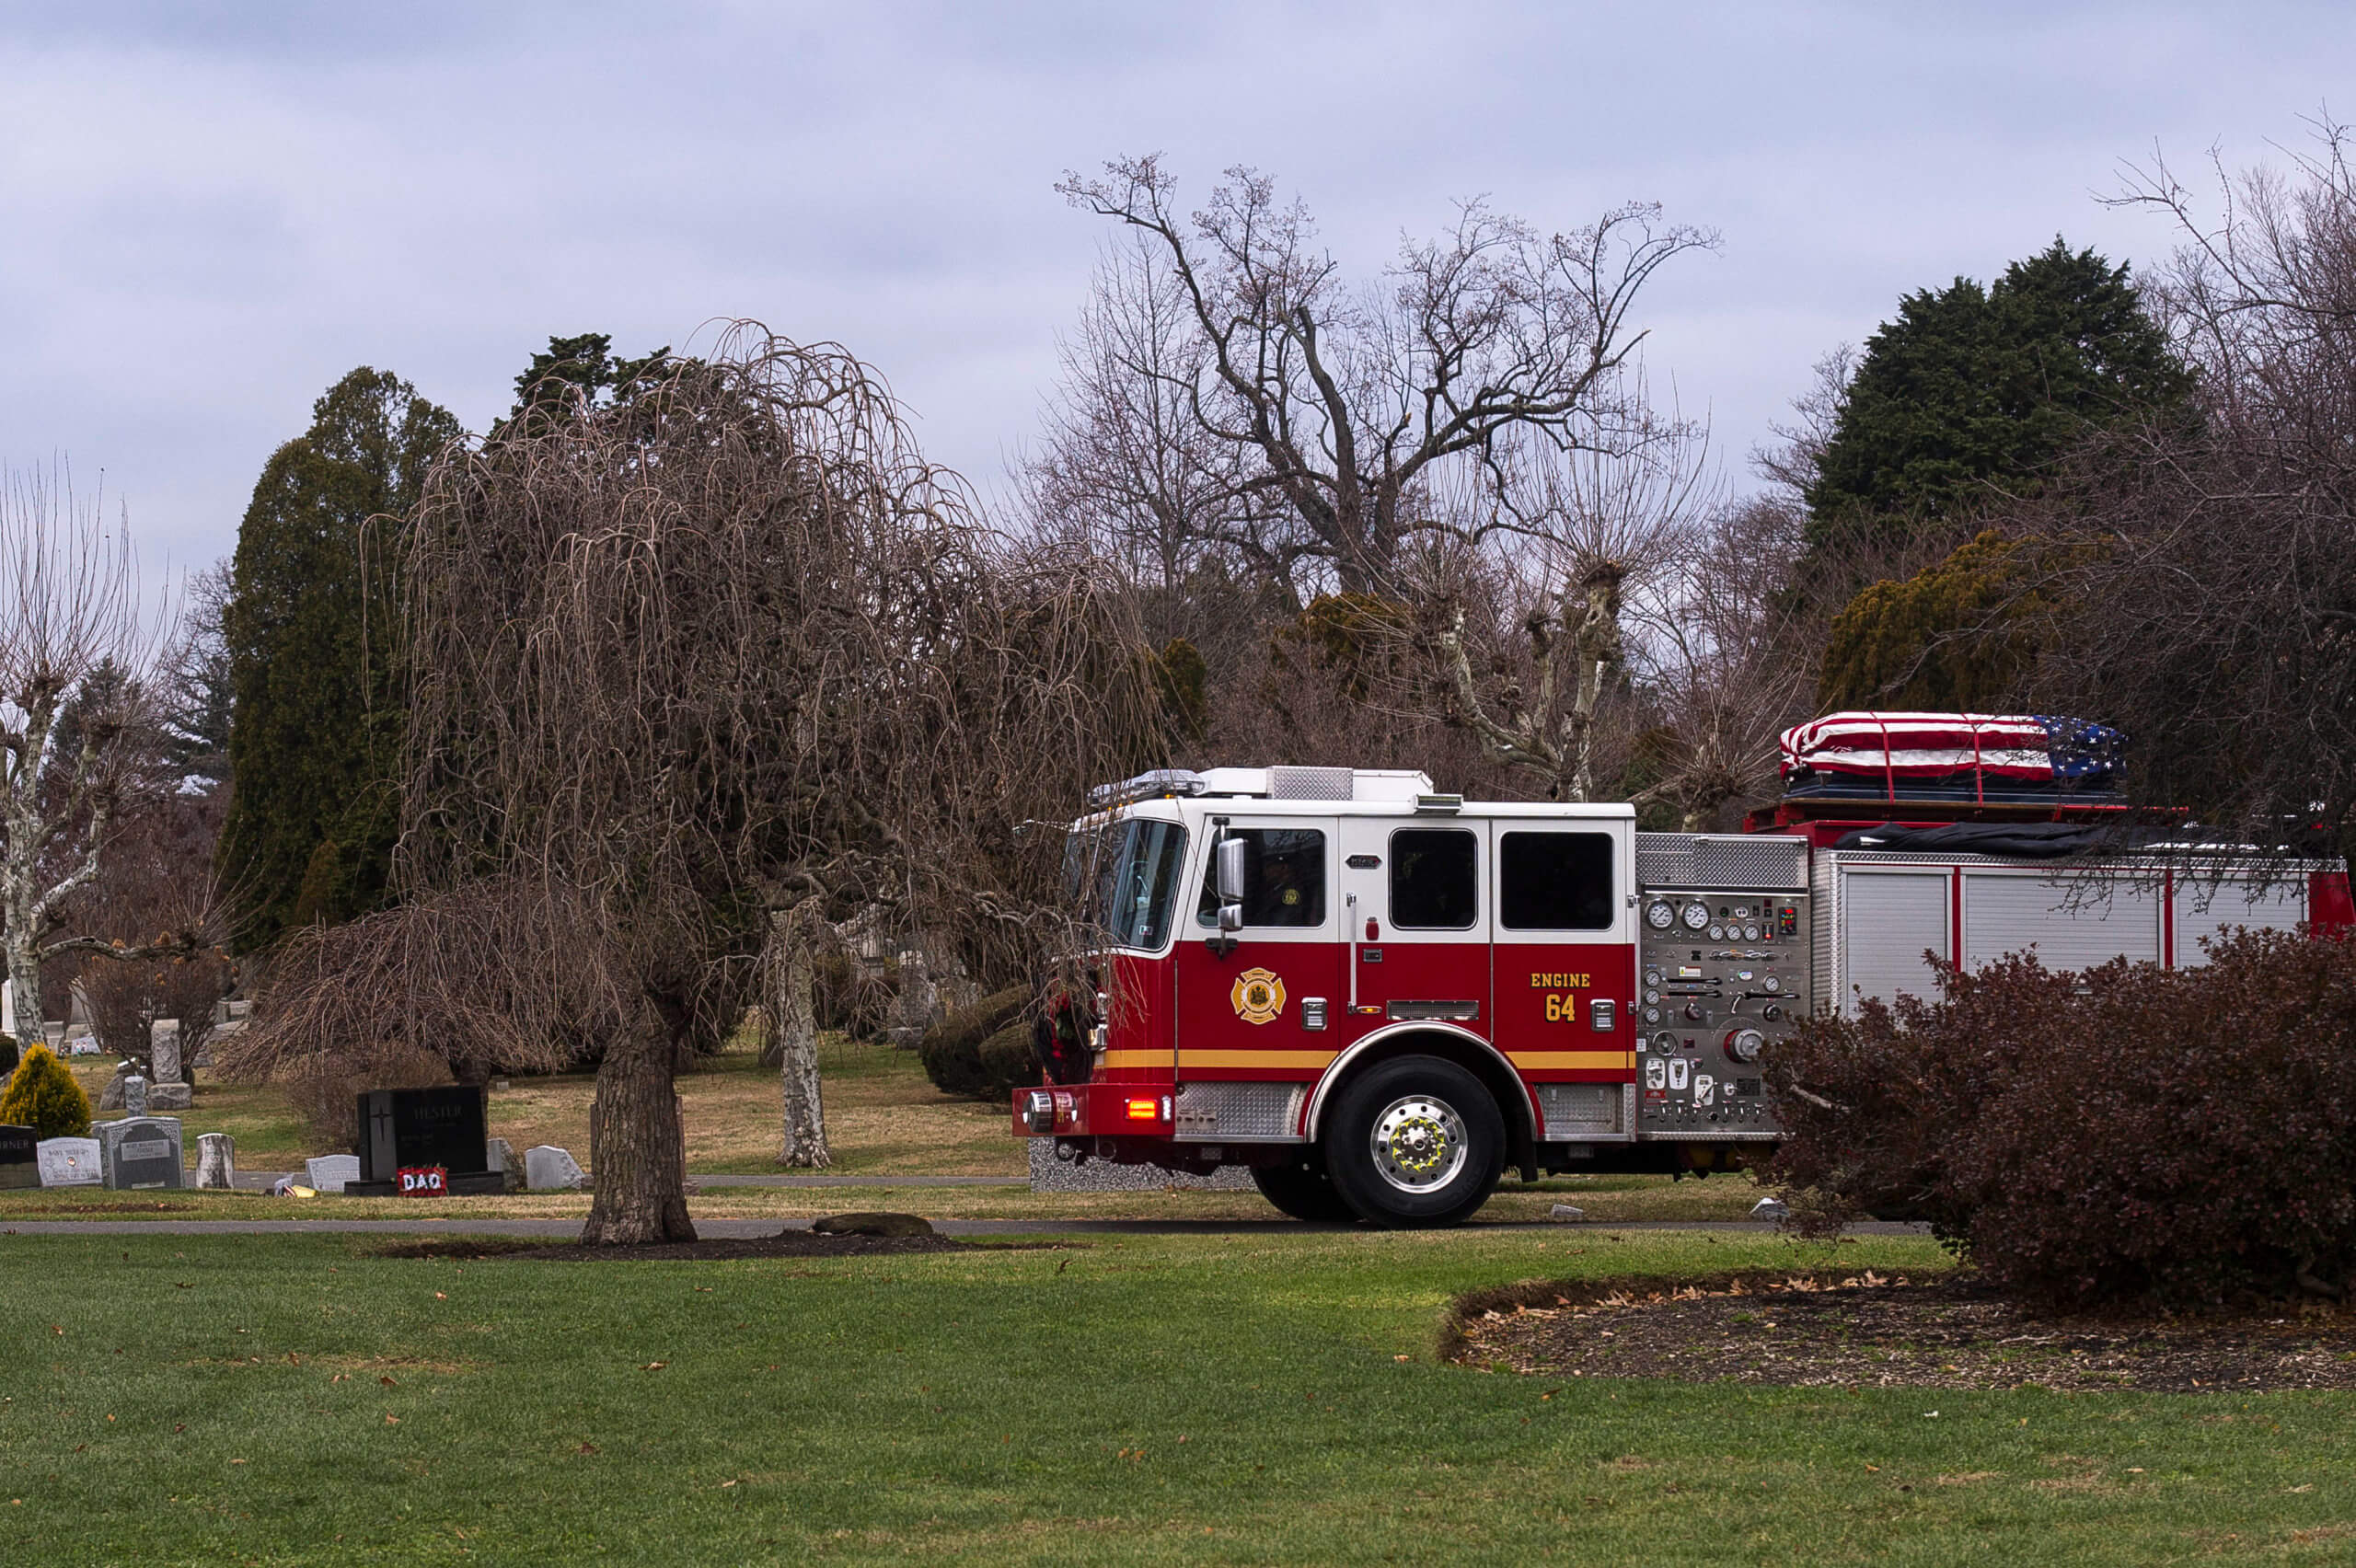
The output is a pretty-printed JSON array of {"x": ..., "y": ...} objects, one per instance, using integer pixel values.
[{"x": 423, "y": 1181}]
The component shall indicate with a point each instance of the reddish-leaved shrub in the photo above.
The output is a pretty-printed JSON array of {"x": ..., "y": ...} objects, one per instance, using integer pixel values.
[{"x": 2124, "y": 1133}]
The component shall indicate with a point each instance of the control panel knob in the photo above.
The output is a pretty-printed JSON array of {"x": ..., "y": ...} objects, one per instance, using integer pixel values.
[
  {"x": 1771, "y": 1012},
  {"x": 1744, "y": 1044},
  {"x": 1694, "y": 1011}
]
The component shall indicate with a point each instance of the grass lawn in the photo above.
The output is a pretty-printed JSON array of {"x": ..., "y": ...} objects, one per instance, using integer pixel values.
[
  {"x": 1189, "y": 1399},
  {"x": 882, "y": 1116}
]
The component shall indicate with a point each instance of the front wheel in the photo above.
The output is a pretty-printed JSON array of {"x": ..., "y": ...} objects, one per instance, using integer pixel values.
[
  {"x": 1304, "y": 1191},
  {"x": 1415, "y": 1141}
]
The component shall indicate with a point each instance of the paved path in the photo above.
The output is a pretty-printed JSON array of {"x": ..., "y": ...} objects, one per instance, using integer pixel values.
[
  {"x": 754, "y": 1228},
  {"x": 260, "y": 1181}
]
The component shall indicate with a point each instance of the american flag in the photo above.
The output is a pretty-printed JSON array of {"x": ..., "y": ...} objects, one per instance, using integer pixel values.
[{"x": 1927, "y": 746}]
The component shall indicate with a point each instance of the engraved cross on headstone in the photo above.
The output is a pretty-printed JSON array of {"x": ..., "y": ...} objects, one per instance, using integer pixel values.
[{"x": 380, "y": 1142}]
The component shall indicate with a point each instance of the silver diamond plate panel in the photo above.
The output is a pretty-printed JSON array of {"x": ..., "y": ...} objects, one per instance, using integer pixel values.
[
  {"x": 1240, "y": 1112},
  {"x": 1721, "y": 860},
  {"x": 1311, "y": 783},
  {"x": 1751, "y": 859},
  {"x": 1572, "y": 1109}
]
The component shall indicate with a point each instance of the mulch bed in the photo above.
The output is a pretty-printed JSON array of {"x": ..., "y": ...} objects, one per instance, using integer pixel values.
[
  {"x": 784, "y": 1244},
  {"x": 1864, "y": 1330}
]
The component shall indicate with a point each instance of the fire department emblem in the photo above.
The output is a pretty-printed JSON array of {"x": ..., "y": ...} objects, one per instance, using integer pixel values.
[{"x": 1258, "y": 995}]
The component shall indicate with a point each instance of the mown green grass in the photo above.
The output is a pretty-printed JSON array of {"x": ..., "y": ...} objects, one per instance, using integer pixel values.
[{"x": 1138, "y": 1399}]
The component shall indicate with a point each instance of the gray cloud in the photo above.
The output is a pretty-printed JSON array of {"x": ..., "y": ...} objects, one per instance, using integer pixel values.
[{"x": 215, "y": 211}]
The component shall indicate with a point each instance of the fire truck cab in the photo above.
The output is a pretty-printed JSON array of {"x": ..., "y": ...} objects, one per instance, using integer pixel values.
[{"x": 1379, "y": 996}]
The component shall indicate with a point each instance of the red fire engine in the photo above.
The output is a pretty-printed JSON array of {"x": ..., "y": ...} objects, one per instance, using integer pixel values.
[{"x": 1379, "y": 996}]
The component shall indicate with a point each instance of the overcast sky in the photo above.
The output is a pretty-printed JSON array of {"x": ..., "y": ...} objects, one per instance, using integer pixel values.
[{"x": 213, "y": 210}]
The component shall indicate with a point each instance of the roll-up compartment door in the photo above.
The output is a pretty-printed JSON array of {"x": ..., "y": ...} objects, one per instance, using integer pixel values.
[
  {"x": 2206, "y": 909},
  {"x": 2071, "y": 924},
  {"x": 1888, "y": 920}
]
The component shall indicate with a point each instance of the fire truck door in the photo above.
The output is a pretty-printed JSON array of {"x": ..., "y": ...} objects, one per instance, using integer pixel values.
[
  {"x": 1416, "y": 896},
  {"x": 1566, "y": 950},
  {"x": 1269, "y": 1010}
]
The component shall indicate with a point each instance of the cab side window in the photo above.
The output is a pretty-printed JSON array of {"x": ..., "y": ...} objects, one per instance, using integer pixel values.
[
  {"x": 1554, "y": 881},
  {"x": 1434, "y": 873},
  {"x": 1284, "y": 878}
]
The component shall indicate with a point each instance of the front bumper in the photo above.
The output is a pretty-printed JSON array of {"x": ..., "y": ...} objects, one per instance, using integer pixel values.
[{"x": 1093, "y": 1110}]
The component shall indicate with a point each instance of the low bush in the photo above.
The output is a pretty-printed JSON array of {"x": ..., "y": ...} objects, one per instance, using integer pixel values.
[
  {"x": 954, "y": 1054},
  {"x": 42, "y": 1094},
  {"x": 2128, "y": 1133}
]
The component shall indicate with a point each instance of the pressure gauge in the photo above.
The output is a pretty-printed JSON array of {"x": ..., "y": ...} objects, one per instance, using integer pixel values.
[
  {"x": 1751, "y": 933},
  {"x": 1744, "y": 1044},
  {"x": 1652, "y": 996},
  {"x": 1695, "y": 917},
  {"x": 1717, "y": 933},
  {"x": 1652, "y": 1015},
  {"x": 1652, "y": 977},
  {"x": 1660, "y": 917},
  {"x": 1772, "y": 984}
]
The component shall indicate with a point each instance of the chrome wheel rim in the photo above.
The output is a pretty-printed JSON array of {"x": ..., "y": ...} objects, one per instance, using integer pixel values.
[{"x": 1420, "y": 1144}]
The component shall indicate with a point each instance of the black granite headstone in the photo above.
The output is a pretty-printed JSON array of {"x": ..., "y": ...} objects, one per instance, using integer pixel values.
[
  {"x": 419, "y": 1129},
  {"x": 20, "y": 1156}
]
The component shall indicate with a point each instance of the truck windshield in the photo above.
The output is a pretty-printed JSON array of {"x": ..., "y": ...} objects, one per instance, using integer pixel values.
[{"x": 1125, "y": 877}]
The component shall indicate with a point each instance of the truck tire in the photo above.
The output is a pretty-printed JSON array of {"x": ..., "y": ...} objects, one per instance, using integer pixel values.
[
  {"x": 1415, "y": 1141},
  {"x": 1304, "y": 1191}
]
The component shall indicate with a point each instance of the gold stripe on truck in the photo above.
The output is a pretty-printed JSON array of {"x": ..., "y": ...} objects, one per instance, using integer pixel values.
[
  {"x": 1540, "y": 1061},
  {"x": 1258, "y": 1059}
]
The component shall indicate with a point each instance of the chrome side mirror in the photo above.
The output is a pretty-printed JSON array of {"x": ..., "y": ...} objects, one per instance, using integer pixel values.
[
  {"x": 1230, "y": 870},
  {"x": 1227, "y": 880}
]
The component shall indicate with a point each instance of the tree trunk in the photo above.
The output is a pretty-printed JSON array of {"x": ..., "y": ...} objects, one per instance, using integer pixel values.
[
  {"x": 1595, "y": 640},
  {"x": 794, "y": 1021},
  {"x": 24, "y": 993},
  {"x": 637, "y": 1157}
]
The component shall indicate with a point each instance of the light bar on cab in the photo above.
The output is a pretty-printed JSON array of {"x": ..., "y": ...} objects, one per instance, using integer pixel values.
[{"x": 1147, "y": 787}]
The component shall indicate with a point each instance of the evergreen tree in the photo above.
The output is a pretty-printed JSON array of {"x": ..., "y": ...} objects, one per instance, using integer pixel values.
[
  {"x": 199, "y": 688},
  {"x": 1970, "y": 389},
  {"x": 581, "y": 369},
  {"x": 315, "y": 733}
]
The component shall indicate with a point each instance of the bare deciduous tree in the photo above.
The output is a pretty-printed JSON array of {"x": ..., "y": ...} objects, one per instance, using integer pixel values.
[
  {"x": 76, "y": 724},
  {"x": 2214, "y": 583},
  {"x": 692, "y": 677},
  {"x": 1298, "y": 419},
  {"x": 1594, "y": 536}
]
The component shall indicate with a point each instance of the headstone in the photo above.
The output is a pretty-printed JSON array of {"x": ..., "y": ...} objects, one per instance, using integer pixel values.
[
  {"x": 547, "y": 1168},
  {"x": 216, "y": 1162},
  {"x": 420, "y": 1129},
  {"x": 917, "y": 1007},
  {"x": 134, "y": 1096},
  {"x": 140, "y": 1151},
  {"x": 328, "y": 1172},
  {"x": 163, "y": 1096},
  {"x": 70, "y": 1162},
  {"x": 502, "y": 1159},
  {"x": 164, "y": 1050},
  {"x": 20, "y": 1156}
]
